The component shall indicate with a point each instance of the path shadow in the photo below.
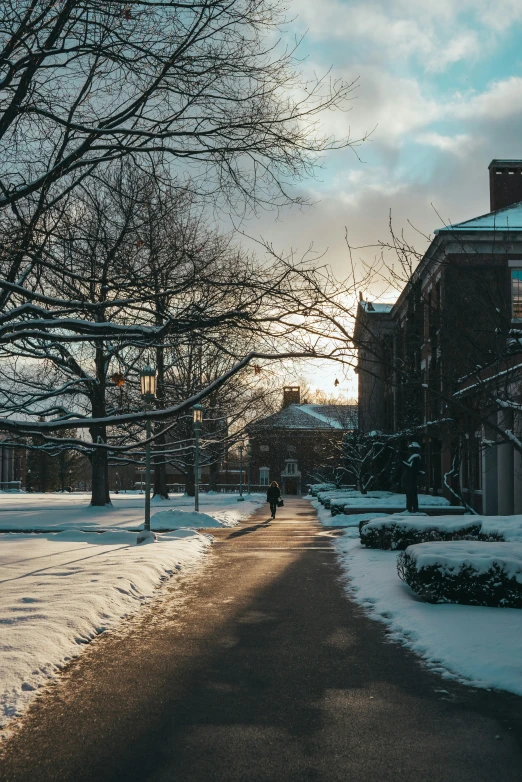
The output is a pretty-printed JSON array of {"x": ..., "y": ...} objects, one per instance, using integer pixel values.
[{"x": 247, "y": 530}]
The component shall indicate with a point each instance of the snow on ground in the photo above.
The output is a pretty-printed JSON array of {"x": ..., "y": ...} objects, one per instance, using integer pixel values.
[
  {"x": 60, "y": 589},
  {"x": 56, "y": 511},
  {"x": 326, "y": 518},
  {"x": 174, "y": 519},
  {"x": 477, "y": 645}
]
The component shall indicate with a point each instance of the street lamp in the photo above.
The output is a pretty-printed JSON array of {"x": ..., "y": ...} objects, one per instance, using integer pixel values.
[
  {"x": 28, "y": 481},
  {"x": 249, "y": 460},
  {"x": 197, "y": 414},
  {"x": 241, "y": 446},
  {"x": 148, "y": 394}
]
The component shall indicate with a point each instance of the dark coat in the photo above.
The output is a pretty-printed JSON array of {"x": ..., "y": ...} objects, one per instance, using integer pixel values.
[
  {"x": 412, "y": 469},
  {"x": 273, "y": 494}
]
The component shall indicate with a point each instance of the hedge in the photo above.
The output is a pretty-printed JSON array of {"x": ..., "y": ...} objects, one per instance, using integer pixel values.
[
  {"x": 387, "y": 535},
  {"x": 438, "y": 584}
]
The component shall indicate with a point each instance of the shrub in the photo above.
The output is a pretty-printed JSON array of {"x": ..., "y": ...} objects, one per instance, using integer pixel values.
[
  {"x": 462, "y": 582},
  {"x": 398, "y": 534},
  {"x": 315, "y": 488}
]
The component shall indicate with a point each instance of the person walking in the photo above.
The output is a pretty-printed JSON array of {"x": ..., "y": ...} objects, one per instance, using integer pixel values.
[
  {"x": 273, "y": 495},
  {"x": 412, "y": 465}
]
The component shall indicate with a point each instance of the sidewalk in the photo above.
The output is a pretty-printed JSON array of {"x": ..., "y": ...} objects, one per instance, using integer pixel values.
[{"x": 264, "y": 672}]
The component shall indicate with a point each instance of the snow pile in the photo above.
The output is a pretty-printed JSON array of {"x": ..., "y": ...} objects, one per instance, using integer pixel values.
[
  {"x": 477, "y": 645},
  {"x": 59, "y": 591},
  {"x": 180, "y": 519}
]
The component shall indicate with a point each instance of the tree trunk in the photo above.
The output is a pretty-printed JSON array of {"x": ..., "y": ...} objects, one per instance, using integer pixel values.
[
  {"x": 100, "y": 460},
  {"x": 190, "y": 483},
  {"x": 213, "y": 476},
  {"x": 100, "y": 472}
]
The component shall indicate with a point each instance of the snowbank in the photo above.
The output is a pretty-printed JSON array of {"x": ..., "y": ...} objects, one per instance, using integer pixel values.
[
  {"x": 59, "y": 591},
  {"x": 477, "y": 645},
  {"x": 55, "y": 512},
  {"x": 176, "y": 519}
]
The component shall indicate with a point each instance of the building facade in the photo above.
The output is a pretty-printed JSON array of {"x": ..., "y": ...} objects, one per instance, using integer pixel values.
[
  {"x": 437, "y": 364},
  {"x": 294, "y": 446}
]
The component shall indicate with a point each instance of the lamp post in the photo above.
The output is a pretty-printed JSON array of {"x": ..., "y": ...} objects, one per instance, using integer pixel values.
[
  {"x": 28, "y": 481},
  {"x": 197, "y": 413},
  {"x": 249, "y": 461},
  {"x": 148, "y": 394},
  {"x": 241, "y": 446}
]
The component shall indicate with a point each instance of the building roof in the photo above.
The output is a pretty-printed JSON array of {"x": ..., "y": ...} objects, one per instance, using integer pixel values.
[
  {"x": 310, "y": 417},
  {"x": 507, "y": 219}
]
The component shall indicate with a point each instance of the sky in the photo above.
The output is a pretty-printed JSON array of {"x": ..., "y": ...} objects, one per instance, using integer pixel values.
[{"x": 440, "y": 85}]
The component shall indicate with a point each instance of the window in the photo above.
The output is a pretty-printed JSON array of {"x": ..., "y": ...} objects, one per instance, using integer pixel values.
[
  {"x": 264, "y": 448},
  {"x": 290, "y": 448},
  {"x": 290, "y": 468},
  {"x": 263, "y": 476},
  {"x": 516, "y": 293}
]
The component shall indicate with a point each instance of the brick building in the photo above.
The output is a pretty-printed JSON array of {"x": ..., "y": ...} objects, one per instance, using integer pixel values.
[
  {"x": 290, "y": 446},
  {"x": 430, "y": 364}
]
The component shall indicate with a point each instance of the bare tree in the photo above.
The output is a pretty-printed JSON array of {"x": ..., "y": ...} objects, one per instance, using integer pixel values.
[{"x": 84, "y": 84}]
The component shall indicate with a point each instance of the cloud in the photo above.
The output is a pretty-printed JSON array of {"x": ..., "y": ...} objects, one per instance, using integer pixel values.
[
  {"x": 457, "y": 145},
  {"x": 500, "y": 100},
  {"x": 393, "y": 31}
]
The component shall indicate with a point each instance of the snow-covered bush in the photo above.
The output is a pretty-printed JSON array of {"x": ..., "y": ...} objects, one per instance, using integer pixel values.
[
  {"x": 315, "y": 488},
  {"x": 398, "y": 532},
  {"x": 472, "y": 573}
]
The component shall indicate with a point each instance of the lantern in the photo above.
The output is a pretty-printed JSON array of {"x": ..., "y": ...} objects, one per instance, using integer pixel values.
[{"x": 148, "y": 382}]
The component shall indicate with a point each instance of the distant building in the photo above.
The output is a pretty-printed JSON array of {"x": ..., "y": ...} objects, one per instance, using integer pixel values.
[{"x": 289, "y": 446}]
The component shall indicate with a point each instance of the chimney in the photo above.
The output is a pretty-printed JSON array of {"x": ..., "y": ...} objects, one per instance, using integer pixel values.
[
  {"x": 505, "y": 183},
  {"x": 291, "y": 395}
]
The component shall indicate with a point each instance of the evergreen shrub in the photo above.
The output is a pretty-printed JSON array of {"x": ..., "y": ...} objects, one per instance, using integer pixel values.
[
  {"x": 397, "y": 537},
  {"x": 438, "y": 584}
]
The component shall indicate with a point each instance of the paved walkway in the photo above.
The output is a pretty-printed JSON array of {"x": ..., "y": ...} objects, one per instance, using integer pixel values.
[{"x": 263, "y": 672}]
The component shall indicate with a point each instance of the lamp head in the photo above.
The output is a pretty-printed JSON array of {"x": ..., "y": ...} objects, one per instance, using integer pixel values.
[
  {"x": 197, "y": 414},
  {"x": 148, "y": 382}
]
